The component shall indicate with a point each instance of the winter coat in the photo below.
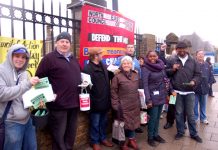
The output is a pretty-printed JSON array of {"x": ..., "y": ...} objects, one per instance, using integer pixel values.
[
  {"x": 64, "y": 76},
  {"x": 125, "y": 98},
  {"x": 9, "y": 91},
  {"x": 100, "y": 91},
  {"x": 189, "y": 72},
  {"x": 154, "y": 82},
  {"x": 206, "y": 77}
]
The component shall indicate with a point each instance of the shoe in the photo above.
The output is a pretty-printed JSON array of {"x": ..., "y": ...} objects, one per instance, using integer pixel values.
[
  {"x": 124, "y": 146},
  {"x": 168, "y": 125},
  {"x": 197, "y": 139},
  {"x": 205, "y": 122},
  {"x": 185, "y": 126},
  {"x": 106, "y": 143},
  {"x": 132, "y": 143},
  {"x": 178, "y": 136},
  {"x": 159, "y": 139},
  {"x": 152, "y": 143},
  {"x": 139, "y": 130},
  {"x": 96, "y": 147}
]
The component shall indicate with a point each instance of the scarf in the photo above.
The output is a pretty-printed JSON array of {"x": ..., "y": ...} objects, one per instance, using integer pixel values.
[{"x": 154, "y": 67}]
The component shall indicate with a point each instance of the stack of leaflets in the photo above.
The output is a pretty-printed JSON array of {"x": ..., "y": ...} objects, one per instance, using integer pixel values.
[
  {"x": 40, "y": 112},
  {"x": 42, "y": 92}
]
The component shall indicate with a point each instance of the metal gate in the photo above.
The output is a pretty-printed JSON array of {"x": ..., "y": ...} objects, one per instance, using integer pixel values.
[{"x": 42, "y": 24}]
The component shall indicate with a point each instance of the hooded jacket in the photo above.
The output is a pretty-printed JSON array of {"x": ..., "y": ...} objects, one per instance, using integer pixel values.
[{"x": 10, "y": 91}]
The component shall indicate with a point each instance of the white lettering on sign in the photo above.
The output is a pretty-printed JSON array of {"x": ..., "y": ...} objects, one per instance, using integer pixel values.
[
  {"x": 102, "y": 18},
  {"x": 110, "y": 61},
  {"x": 100, "y": 37}
]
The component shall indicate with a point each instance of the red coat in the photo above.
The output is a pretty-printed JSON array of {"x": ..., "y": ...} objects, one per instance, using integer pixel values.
[{"x": 124, "y": 95}]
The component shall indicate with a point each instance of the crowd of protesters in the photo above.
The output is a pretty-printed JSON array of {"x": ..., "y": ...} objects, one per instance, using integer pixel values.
[{"x": 188, "y": 78}]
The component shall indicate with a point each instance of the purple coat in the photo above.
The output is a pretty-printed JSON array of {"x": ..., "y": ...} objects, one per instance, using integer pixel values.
[{"x": 153, "y": 76}]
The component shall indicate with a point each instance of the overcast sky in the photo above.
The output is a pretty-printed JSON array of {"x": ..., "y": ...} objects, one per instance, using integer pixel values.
[
  {"x": 158, "y": 17},
  {"x": 182, "y": 17}
]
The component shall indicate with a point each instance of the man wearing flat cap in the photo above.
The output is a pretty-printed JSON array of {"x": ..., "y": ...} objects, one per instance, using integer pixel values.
[
  {"x": 100, "y": 99},
  {"x": 185, "y": 76},
  {"x": 63, "y": 72}
]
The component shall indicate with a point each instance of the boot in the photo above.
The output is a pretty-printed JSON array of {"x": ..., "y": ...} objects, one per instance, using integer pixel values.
[
  {"x": 124, "y": 146},
  {"x": 132, "y": 143},
  {"x": 96, "y": 147}
]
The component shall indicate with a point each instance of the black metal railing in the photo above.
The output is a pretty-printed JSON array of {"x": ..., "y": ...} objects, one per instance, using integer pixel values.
[{"x": 14, "y": 13}]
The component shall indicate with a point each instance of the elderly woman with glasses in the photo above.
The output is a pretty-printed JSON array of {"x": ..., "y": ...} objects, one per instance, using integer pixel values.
[{"x": 125, "y": 100}]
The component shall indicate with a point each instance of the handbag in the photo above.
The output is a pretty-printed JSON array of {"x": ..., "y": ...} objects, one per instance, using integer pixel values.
[
  {"x": 2, "y": 122},
  {"x": 142, "y": 98},
  {"x": 84, "y": 100},
  {"x": 118, "y": 133},
  {"x": 143, "y": 117}
]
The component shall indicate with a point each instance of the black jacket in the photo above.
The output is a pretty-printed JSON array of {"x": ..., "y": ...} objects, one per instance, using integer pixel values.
[
  {"x": 100, "y": 91},
  {"x": 189, "y": 72},
  {"x": 206, "y": 77}
]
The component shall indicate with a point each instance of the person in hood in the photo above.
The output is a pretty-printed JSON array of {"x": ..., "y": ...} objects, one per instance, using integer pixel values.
[{"x": 14, "y": 82}]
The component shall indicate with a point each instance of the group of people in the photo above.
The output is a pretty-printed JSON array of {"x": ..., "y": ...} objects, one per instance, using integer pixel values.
[{"x": 182, "y": 76}]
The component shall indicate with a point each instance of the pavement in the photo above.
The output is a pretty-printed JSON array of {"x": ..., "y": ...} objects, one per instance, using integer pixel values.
[{"x": 209, "y": 133}]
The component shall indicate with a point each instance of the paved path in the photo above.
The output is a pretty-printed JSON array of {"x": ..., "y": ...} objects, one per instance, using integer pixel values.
[{"x": 209, "y": 133}]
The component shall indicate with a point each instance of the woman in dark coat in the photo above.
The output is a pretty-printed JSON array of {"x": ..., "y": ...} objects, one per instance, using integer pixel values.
[
  {"x": 125, "y": 100},
  {"x": 208, "y": 59},
  {"x": 155, "y": 88}
]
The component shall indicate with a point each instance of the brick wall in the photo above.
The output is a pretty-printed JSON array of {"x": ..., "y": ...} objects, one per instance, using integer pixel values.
[{"x": 82, "y": 136}]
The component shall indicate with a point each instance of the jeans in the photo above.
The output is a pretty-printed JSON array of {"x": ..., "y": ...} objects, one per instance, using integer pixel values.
[
  {"x": 98, "y": 126},
  {"x": 171, "y": 114},
  {"x": 153, "y": 124},
  {"x": 129, "y": 134},
  {"x": 202, "y": 100},
  {"x": 20, "y": 136},
  {"x": 185, "y": 104},
  {"x": 63, "y": 125}
]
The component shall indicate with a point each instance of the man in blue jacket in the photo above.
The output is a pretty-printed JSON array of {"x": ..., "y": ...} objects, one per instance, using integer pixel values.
[
  {"x": 130, "y": 51},
  {"x": 185, "y": 76}
]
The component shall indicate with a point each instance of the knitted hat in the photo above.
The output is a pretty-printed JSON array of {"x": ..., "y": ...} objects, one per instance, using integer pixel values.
[{"x": 64, "y": 35}]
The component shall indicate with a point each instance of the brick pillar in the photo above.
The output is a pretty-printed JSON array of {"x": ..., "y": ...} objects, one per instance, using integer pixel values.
[{"x": 148, "y": 43}]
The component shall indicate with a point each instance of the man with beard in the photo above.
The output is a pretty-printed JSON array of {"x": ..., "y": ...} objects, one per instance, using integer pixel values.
[{"x": 185, "y": 76}]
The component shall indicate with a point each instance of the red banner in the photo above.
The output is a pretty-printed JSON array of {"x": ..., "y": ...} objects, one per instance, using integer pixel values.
[{"x": 106, "y": 29}]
